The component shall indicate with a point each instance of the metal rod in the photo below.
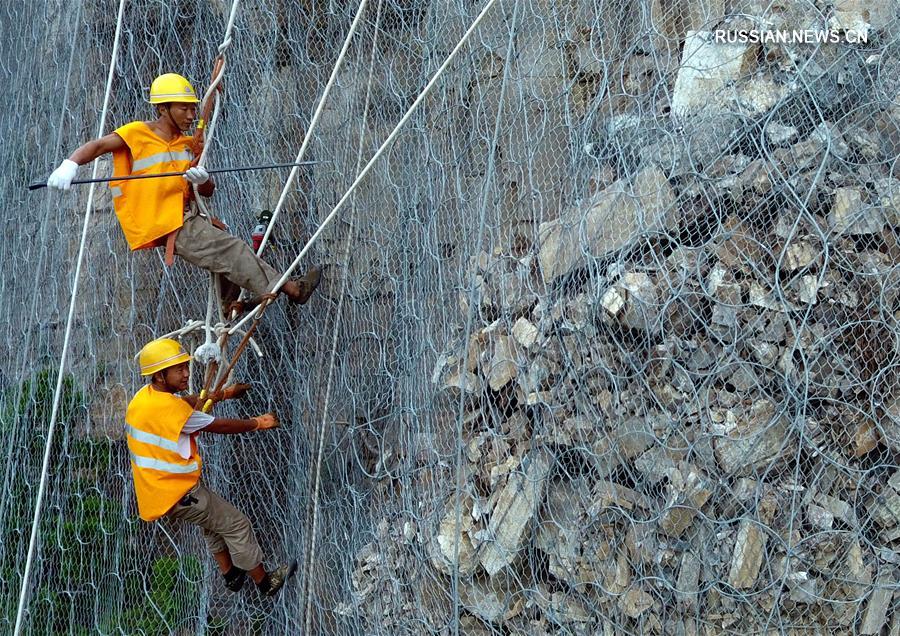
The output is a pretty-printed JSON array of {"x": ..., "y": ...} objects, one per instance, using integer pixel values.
[{"x": 37, "y": 186}]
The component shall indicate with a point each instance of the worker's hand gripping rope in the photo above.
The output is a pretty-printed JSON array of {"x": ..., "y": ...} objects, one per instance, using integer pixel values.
[
  {"x": 197, "y": 175},
  {"x": 231, "y": 392}
]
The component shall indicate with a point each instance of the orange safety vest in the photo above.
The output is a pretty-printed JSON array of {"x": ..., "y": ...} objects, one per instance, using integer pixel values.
[
  {"x": 149, "y": 209},
  {"x": 154, "y": 420}
]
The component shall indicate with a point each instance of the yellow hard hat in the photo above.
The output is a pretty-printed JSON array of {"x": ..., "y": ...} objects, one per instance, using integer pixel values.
[
  {"x": 161, "y": 354},
  {"x": 172, "y": 87}
]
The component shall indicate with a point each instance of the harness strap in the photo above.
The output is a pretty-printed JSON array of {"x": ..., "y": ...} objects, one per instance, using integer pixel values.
[{"x": 170, "y": 247}]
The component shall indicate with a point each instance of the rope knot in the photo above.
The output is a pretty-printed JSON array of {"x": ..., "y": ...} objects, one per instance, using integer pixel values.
[{"x": 208, "y": 352}]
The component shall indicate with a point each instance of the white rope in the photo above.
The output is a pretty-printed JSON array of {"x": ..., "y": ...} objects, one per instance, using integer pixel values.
[
  {"x": 381, "y": 150},
  {"x": 226, "y": 42},
  {"x": 220, "y": 329},
  {"x": 212, "y": 91},
  {"x": 191, "y": 371},
  {"x": 209, "y": 351},
  {"x": 312, "y": 125},
  {"x": 25, "y": 346},
  {"x": 189, "y": 327},
  {"x": 300, "y": 154},
  {"x": 210, "y": 129},
  {"x": 26, "y": 576},
  {"x": 309, "y": 558}
]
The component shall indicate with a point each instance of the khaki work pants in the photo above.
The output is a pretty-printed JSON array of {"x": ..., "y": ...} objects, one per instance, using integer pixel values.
[
  {"x": 217, "y": 251},
  {"x": 224, "y": 526}
]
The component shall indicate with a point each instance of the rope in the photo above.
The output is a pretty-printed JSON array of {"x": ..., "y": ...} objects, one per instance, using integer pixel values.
[
  {"x": 189, "y": 327},
  {"x": 213, "y": 91},
  {"x": 258, "y": 313},
  {"x": 381, "y": 150},
  {"x": 268, "y": 298},
  {"x": 210, "y": 307},
  {"x": 220, "y": 329},
  {"x": 218, "y": 75},
  {"x": 26, "y": 576},
  {"x": 312, "y": 125},
  {"x": 203, "y": 138},
  {"x": 309, "y": 557}
]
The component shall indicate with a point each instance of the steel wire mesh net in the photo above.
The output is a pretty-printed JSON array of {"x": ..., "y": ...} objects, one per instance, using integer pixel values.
[{"x": 607, "y": 340}]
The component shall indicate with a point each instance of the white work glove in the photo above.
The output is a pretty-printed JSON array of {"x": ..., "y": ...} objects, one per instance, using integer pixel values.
[
  {"x": 62, "y": 177},
  {"x": 197, "y": 175}
]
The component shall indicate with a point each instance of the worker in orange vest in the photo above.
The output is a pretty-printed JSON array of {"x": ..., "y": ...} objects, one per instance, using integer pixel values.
[
  {"x": 162, "y": 429},
  {"x": 156, "y": 212}
]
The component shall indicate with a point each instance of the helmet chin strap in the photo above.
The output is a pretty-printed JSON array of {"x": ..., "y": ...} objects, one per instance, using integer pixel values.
[{"x": 172, "y": 119}]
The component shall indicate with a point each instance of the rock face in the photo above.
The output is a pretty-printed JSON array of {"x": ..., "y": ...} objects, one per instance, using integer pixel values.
[
  {"x": 708, "y": 68},
  {"x": 678, "y": 402},
  {"x": 616, "y": 217},
  {"x": 606, "y": 343}
]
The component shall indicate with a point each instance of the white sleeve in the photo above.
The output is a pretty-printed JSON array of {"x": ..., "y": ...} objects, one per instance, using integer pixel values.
[{"x": 196, "y": 422}]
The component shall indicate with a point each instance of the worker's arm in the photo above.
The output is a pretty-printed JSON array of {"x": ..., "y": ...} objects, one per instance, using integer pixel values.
[
  {"x": 93, "y": 149},
  {"x": 62, "y": 177},
  {"x": 226, "y": 426}
]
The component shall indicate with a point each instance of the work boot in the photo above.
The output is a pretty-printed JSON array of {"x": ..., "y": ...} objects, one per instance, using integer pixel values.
[
  {"x": 234, "y": 578},
  {"x": 275, "y": 580},
  {"x": 307, "y": 285}
]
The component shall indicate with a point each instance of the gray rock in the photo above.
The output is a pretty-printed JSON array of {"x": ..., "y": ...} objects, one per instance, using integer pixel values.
[
  {"x": 707, "y": 70},
  {"x": 850, "y": 214},
  {"x": 779, "y": 134},
  {"x": 514, "y": 509},
  {"x": 758, "y": 439},
  {"x": 749, "y": 553},
  {"x": 616, "y": 217}
]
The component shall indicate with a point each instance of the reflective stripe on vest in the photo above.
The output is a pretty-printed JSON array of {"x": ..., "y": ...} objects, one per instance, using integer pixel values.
[
  {"x": 160, "y": 157},
  {"x": 166, "y": 467},
  {"x": 153, "y": 440},
  {"x": 116, "y": 191},
  {"x": 154, "y": 421},
  {"x": 149, "y": 209}
]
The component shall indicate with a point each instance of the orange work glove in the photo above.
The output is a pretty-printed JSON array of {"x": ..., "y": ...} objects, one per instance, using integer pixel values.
[{"x": 266, "y": 422}]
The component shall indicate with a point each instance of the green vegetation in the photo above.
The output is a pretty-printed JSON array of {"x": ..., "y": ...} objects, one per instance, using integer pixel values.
[
  {"x": 83, "y": 529},
  {"x": 168, "y": 596}
]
